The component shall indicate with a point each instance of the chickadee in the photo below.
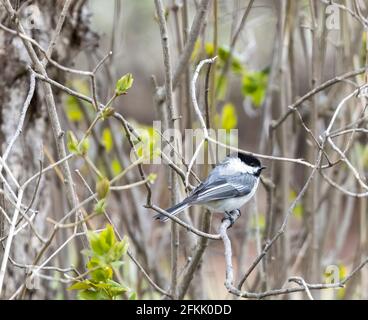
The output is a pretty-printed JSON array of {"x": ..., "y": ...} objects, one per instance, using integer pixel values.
[{"x": 229, "y": 185}]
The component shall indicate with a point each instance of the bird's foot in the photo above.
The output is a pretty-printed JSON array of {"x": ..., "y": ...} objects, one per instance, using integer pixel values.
[{"x": 232, "y": 216}]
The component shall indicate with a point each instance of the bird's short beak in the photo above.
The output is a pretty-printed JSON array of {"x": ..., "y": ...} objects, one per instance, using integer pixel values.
[{"x": 260, "y": 170}]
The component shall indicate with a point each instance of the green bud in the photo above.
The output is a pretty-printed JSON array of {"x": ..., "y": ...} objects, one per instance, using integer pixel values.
[
  {"x": 84, "y": 147},
  {"x": 124, "y": 84},
  {"x": 102, "y": 188},
  {"x": 100, "y": 206},
  {"x": 107, "y": 112},
  {"x": 71, "y": 142}
]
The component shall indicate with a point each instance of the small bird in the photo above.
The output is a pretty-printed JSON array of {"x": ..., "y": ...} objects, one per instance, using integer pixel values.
[{"x": 232, "y": 183}]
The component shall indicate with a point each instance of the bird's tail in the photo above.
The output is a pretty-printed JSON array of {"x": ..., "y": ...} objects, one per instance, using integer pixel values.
[{"x": 174, "y": 210}]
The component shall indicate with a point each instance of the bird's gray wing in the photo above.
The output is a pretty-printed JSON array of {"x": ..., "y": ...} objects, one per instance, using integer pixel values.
[{"x": 223, "y": 188}]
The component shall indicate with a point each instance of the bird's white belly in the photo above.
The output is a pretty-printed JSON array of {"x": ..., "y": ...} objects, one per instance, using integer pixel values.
[{"x": 227, "y": 205}]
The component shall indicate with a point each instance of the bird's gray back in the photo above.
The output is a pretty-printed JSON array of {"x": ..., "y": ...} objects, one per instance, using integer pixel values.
[{"x": 217, "y": 187}]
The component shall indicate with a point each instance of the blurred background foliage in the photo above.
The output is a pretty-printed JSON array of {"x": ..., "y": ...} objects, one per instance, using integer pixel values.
[{"x": 241, "y": 96}]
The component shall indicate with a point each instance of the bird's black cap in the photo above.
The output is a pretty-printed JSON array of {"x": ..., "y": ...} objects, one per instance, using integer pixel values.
[{"x": 249, "y": 160}]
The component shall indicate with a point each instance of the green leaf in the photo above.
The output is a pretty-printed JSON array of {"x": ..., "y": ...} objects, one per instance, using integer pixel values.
[
  {"x": 102, "y": 274},
  {"x": 117, "y": 285},
  {"x": 229, "y": 118},
  {"x": 250, "y": 83},
  {"x": 133, "y": 296},
  {"x": 236, "y": 66},
  {"x": 74, "y": 146},
  {"x": 224, "y": 55},
  {"x": 101, "y": 243},
  {"x": 109, "y": 235},
  {"x": 95, "y": 261},
  {"x": 72, "y": 105},
  {"x": 102, "y": 285},
  {"x": 120, "y": 249},
  {"x": 298, "y": 209},
  {"x": 148, "y": 146},
  {"x": 115, "y": 167},
  {"x": 254, "y": 86},
  {"x": 72, "y": 109},
  {"x": 116, "y": 289},
  {"x": 107, "y": 238},
  {"x": 124, "y": 84},
  {"x": 208, "y": 47},
  {"x": 94, "y": 241},
  {"x": 107, "y": 139},
  {"x": 105, "y": 258},
  {"x": 93, "y": 295},
  {"x": 82, "y": 285}
]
